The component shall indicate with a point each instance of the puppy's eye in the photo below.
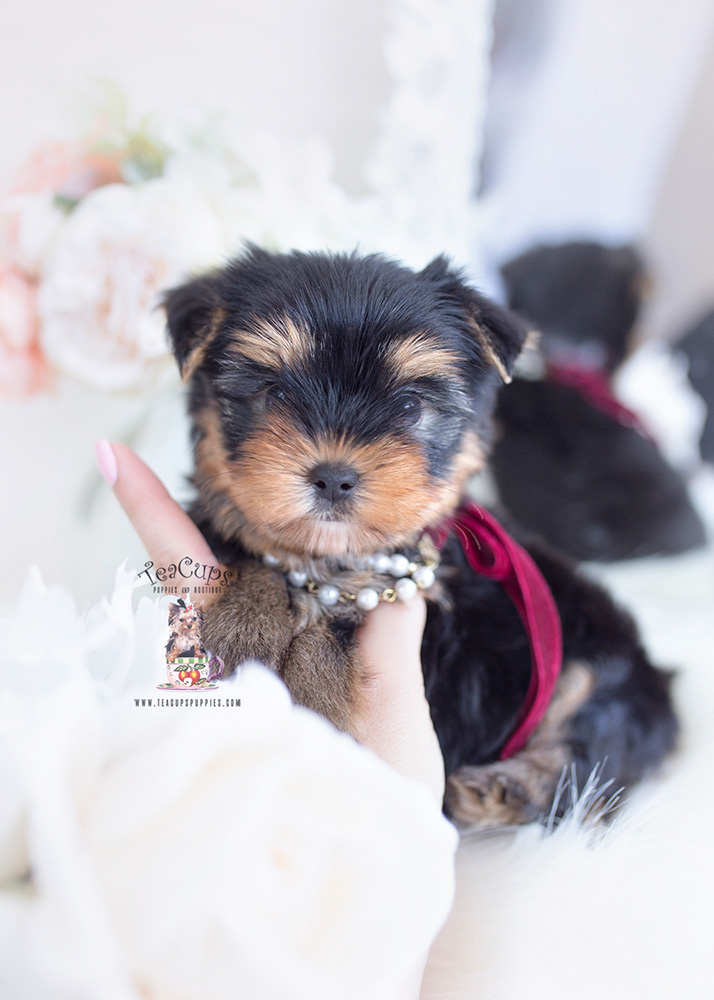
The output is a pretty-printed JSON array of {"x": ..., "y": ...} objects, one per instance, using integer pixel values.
[{"x": 410, "y": 407}]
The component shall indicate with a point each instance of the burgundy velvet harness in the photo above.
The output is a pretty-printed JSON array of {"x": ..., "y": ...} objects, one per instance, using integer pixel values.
[{"x": 491, "y": 552}]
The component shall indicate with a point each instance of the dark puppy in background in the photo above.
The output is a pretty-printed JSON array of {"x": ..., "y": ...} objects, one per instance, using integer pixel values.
[
  {"x": 569, "y": 462},
  {"x": 340, "y": 404},
  {"x": 698, "y": 346}
]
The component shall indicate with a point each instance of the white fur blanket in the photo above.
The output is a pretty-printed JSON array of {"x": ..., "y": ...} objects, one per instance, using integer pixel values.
[
  {"x": 626, "y": 913},
  {"x": 178, "y": 849}
]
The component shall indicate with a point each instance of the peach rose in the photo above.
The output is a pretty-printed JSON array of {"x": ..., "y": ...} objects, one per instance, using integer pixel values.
[
  {"x": 66, "y": 169},
  {"x": 23, "y": 367},
  {"x": 33, "y": 207}
]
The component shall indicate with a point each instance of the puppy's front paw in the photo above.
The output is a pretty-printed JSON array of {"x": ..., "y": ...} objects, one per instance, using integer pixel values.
[
  {"x": 506, "y": 793},
  {"x": 250, "y": 620},
  {"x": 487, "y": 797}
]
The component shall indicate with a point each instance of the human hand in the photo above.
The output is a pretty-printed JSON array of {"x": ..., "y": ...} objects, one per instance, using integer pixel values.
[
  {"x": 164, "y": 527},
  {"x": 396, "y": 723}
]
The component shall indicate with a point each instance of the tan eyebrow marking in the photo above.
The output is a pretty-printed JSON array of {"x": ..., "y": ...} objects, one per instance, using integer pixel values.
[
  {"x": 276, "y": 342},
  {"x": 417, "y": 356}
]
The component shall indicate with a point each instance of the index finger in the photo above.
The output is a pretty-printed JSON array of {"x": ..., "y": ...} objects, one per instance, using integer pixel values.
[{"x": 166, "y": 530}]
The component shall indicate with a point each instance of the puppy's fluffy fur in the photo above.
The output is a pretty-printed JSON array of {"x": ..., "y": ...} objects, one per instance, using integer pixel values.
[{"x": 299, "y": 362}]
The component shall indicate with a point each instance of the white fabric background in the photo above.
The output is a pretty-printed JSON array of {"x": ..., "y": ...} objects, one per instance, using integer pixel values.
[
  {"x": 596, "y": 116},
  {"x": 314, "y": 66}
]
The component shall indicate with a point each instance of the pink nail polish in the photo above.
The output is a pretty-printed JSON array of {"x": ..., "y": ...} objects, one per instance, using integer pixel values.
[{"x": 107, "y": 461}]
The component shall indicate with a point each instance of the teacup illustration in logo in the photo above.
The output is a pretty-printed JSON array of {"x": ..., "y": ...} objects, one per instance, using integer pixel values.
[{"x": 188, "y": 663}]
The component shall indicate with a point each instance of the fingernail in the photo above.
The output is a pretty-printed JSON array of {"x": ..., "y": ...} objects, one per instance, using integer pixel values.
[{"x": 107, "y": 461}]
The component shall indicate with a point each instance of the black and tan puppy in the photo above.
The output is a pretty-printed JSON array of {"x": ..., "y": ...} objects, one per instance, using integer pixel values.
[
  {"x": 570, "y": 463},
  {"x": 339, "y": 406}
]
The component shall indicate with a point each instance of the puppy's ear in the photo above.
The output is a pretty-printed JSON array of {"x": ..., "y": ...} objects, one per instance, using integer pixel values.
[
  {"x": 174, "y": 612},
  {"x": 193, "y": 318},
  {"x": 499, "y": 334}
]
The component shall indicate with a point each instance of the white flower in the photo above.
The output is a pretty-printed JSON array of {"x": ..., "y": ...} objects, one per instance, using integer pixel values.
[
  {"x": 29, "y": 224},
  {"x": 278, "y": 194},
  {"x": 205, "y": 853},
  {"x": 118, "y": 251}
]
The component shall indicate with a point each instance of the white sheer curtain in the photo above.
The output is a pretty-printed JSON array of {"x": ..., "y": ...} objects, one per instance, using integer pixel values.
[{"x": 587, "y": 101}]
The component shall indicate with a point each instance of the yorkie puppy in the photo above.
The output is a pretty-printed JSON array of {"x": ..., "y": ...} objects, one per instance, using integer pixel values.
[
  {"x": 570, "y": 462},
  {"x": 340, "y": 405},
  {"x": 185, "y": 624}
]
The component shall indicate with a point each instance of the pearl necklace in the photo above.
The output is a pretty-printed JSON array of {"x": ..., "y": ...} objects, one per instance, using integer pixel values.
[{"x": 410, "y": 576}]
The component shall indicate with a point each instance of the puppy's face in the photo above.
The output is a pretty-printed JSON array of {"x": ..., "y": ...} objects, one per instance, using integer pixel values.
[
  {"x": 339, "y": 403},
  {"x": 185, "y": 621}
]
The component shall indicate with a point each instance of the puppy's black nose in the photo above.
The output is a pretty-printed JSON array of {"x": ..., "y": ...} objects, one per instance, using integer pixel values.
[{"x": 334, "y": 482}]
